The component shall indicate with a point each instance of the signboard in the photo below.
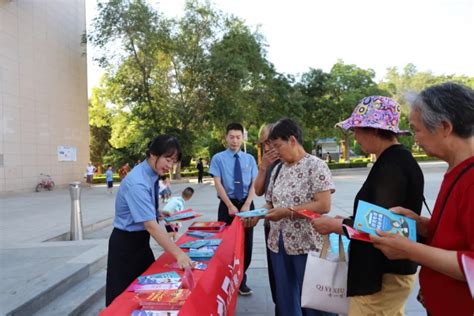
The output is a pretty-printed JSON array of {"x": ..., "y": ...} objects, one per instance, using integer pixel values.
[{"x": 67, "y": 153}]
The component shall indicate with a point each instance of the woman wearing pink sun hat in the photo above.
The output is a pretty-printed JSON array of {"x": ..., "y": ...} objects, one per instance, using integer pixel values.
[{"x": 377, "y": 285}]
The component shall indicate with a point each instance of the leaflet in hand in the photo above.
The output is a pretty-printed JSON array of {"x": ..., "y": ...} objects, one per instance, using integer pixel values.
[
  {"x": 165, "y": 277},
  {"x": 371, "y": 217},
  {"x": 468, "y": 267},
  {"x": 309, "y": 214},
  {"x": 182, "y": 216},
  {"x": 351, "y": 233},
  {"x": 253, "y": 213}
]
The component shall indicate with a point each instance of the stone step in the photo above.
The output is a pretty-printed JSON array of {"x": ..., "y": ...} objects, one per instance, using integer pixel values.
[
  {"x": 77, "y": 299},
  {"x": 46, "y": 288}
]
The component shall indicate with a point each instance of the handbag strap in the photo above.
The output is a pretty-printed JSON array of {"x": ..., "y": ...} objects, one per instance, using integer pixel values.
[
  {"x": 326, "y": 243},
  {"x": 466, "y": 169}
]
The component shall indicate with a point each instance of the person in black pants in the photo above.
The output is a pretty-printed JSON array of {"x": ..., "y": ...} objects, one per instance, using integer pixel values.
[
  {"x": 200, "y": 168},
  {"x": 270, "y": 161},
  {"x": 136, "y": 214},
  {"x": 234, "y": 173}
]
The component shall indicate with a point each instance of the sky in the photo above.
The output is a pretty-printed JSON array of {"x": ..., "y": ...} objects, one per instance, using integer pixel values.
[{"x": 434, "y": 35}]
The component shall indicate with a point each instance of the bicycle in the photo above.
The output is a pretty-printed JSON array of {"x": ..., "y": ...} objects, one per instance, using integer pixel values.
[{"x": 46, "y": 183}]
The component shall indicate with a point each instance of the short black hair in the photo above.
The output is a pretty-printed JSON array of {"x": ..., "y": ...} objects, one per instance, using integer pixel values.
[
  {"x": 188, "y": 192},
  {"x": 164, "y": 145},
  {"x": 284, "y": 129},
  {"x": 234, "y": 127},
  {"x": 108, "y": 166}
]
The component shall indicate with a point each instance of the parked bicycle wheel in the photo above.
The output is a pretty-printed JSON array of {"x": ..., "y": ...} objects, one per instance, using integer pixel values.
[
  {"x": 39, "y": 187},
  {"x": 51, "y": 186}
]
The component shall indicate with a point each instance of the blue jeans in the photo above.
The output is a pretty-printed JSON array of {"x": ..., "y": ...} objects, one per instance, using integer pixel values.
[{"x": 289, "y": 274}]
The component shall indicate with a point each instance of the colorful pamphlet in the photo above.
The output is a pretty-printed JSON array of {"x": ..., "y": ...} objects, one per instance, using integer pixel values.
[
  {"x": 371, "y": 217},
  {"x": 308, "y": 214},
  {"x": 253, "y": 213},
  {"x": 182, "y": 216},
  {"x": 351, "y": 233},
  {"x": 154, "y": 313},
  {"x": 166, "y": 277},
  {"x": 200, "y": 234},
  {"x": 154, "y": 287},
  {"x": 196, "y": 265},
  {"x": 468, "y": 267},
  {"x": 207, "y": 226},
  {"x": 165, "y": 299}
]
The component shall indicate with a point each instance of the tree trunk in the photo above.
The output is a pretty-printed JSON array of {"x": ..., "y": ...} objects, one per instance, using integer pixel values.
[{"x": 177, "y": 171}]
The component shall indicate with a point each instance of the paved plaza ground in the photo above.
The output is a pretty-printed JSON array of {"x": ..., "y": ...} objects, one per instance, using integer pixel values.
[{"x": 34, "y": 255}]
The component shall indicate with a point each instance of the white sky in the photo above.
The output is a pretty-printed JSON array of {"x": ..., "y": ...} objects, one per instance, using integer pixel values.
[{"x": 435, "y": 35}]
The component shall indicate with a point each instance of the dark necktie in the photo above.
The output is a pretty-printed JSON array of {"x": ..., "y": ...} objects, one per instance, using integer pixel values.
[
  {"x": 157, "y": 198},
  {"x": 238, "y": 185}
]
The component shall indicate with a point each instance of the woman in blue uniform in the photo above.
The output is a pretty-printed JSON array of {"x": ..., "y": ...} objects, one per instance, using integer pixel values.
[{"x": 136, "y": 214}]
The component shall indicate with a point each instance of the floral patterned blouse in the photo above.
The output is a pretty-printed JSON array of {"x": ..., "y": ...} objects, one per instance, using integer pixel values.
[{"x": 296, "y": 185}]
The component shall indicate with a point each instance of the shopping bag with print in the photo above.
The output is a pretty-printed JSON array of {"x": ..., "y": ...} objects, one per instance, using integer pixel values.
[{"x": 325, "y": 282}]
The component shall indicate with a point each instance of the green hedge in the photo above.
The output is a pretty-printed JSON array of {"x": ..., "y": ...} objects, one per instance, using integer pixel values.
[{"x": 342, "y": 165}]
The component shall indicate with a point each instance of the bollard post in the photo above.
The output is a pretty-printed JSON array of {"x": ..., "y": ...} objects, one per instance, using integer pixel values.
[{"x": 76, "y": 214}]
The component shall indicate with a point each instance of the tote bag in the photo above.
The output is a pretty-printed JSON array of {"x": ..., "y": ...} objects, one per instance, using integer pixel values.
[{"x": 325, "y": 282}]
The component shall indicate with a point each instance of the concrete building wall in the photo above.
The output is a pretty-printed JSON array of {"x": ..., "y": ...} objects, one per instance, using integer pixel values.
[{"x": 43, "y": 92}]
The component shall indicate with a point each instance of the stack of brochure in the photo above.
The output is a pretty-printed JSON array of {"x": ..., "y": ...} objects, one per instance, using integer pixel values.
[
  {"x": 212, "y": 227},
  {"x": 156, "y": 282},
  {"x": 163, "y": 299}
]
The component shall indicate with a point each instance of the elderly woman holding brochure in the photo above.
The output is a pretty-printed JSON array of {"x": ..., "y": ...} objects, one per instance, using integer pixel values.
[
  {"x": 442, "y": 118},
  {"x": 375, "y": 284},
  {"x": 303, "y": 182}
]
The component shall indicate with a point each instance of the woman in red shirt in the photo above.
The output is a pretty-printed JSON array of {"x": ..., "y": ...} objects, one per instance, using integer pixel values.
[{"x": 442, "y": 118}]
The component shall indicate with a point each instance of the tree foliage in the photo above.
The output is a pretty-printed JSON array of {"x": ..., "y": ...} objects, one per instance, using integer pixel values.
[{"x": 192, "y": 75}]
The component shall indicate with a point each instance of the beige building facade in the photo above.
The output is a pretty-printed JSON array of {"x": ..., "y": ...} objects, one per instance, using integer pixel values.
[{"x": 43, "y": 93}]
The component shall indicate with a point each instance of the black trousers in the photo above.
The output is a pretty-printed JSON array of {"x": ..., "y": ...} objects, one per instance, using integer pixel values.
[
  {"x": 200, "y": 174},
  {"x": 223, "y": 216},
  {"x": 271, "y": 273},
  {"x": 129, "y": 256}
]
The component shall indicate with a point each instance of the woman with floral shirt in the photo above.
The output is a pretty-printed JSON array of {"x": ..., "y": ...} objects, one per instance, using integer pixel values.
[{"x": 303, "y": 182}]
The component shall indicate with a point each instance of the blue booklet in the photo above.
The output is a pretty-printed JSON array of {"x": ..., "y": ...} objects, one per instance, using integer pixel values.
[
  {"x": 370, "y": 217},
  {"x": 253, "y": 213},
  {"x": 165, "y": 277},
  {"x": 201, "y": 253},
  {"x": 180, "y": 216},
  {"x": 194, "y": 244}
]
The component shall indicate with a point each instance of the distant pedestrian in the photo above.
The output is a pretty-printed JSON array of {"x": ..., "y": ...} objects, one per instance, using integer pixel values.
[
  {"x": 109, "y": 177},
  {"x": 176, "y": 204},
  {"x": 124, "y": 171},
  {"x": 90, "y": 170},
  {"x": 200, "y": 168},
  {"x": 165, "y": 188}
]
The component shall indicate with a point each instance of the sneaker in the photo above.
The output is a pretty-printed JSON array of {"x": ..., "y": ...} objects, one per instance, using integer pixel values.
[{"x": 244, "y": 290}]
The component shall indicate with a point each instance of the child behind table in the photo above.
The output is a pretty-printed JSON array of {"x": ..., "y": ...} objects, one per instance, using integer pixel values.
[{"x": 176, "y": 204}]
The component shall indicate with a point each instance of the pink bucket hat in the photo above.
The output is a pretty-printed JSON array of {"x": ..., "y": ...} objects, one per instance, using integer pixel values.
[{"x": 375, "y": 112}]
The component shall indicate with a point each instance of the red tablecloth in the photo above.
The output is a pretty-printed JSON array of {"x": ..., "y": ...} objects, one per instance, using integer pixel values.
[{"x": 215, "y": 291}]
